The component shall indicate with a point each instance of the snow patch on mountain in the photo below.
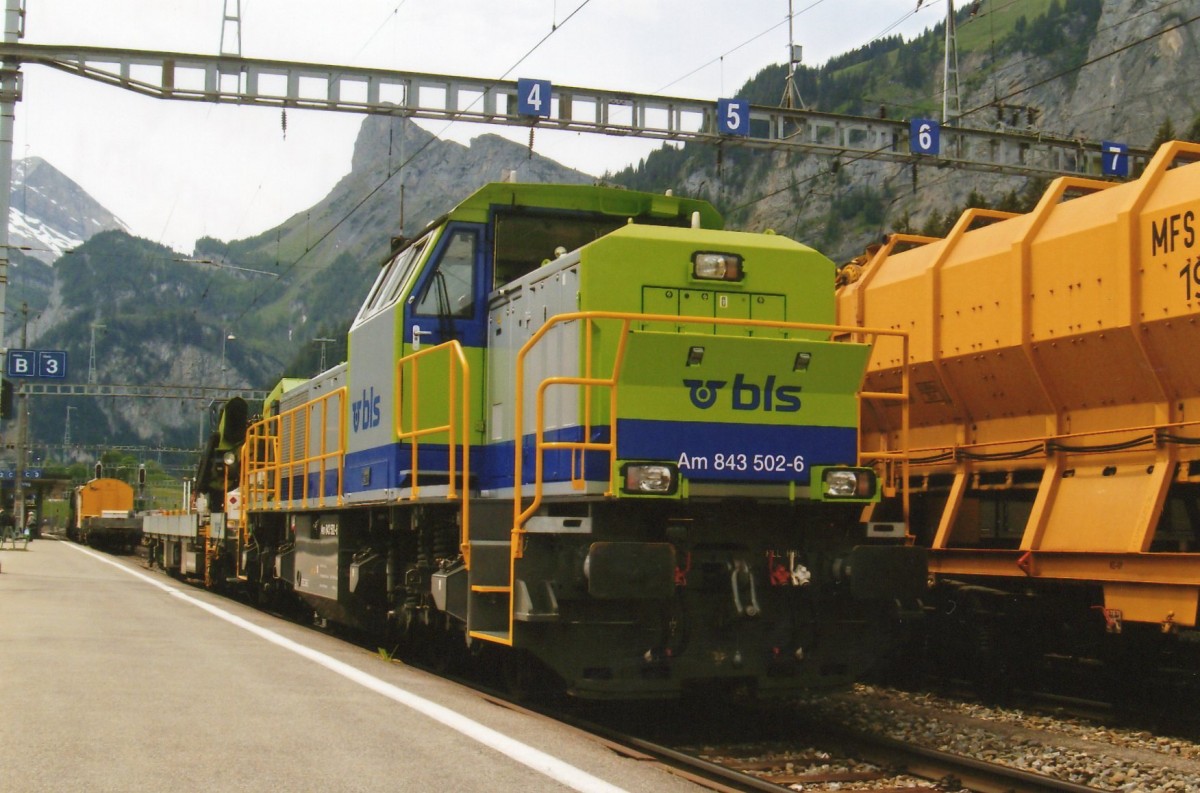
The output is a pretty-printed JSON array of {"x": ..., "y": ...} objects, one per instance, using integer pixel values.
[
  {"x": 37, "y": 238},
  {"x": 49, "y": 213}
]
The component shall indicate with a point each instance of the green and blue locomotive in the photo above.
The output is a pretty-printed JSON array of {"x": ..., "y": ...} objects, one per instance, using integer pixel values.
[{"x": 587, "y": 432}]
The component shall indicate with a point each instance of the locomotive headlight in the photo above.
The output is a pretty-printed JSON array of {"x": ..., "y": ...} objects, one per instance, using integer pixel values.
[
  {"x": 712, "y": 266},
  {"x": 229, "y": 458},
  {"x": 649, "y": 479},
  {"x": 846, "y": 484}
]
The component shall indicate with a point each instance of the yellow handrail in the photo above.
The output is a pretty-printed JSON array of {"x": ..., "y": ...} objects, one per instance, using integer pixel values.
[
  {"x": 589, "y": 381},
  {"x": 589, "y": 318},
  {"x": 457, "y": 429},
  {"x": 262, "y": 479}
]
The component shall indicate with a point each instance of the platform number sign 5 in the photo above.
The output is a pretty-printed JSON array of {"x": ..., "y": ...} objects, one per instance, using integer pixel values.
[
  {"x": 1115, "y": 158},
  {"x": 533, "y": 97},
  {"x": 733, "y": 117},
  {"x": 924, "y": 136}
]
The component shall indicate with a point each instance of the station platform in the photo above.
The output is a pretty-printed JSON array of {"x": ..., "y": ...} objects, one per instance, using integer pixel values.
[{"x": 116, "y": 678}]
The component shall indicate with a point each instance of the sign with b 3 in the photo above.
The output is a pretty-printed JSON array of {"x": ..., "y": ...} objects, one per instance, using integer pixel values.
[{"x": 36, "y": 363}]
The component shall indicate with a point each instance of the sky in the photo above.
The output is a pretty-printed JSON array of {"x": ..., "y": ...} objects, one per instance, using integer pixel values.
[{"x": 176, "y": 171}]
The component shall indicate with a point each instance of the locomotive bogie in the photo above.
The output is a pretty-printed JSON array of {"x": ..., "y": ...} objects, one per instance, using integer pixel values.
[{"x": 619, "y": 601}]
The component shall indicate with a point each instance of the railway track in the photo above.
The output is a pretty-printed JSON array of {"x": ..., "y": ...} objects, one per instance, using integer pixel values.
[
  {"x": 838, "y": 760},
  {"x": 852, "y": 763},
  {"x": 750, "y": 746}
]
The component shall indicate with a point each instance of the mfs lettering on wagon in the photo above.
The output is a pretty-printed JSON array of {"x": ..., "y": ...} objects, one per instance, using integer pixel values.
[
  {"x": 1177, "y": 233},
  {"x": 1172, "y": 232}
]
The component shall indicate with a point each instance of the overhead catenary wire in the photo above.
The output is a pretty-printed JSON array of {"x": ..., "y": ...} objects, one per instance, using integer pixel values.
[
  {"x": 1058, "y": 75},
  {"x": 1032, "y": 58},
  {"x": 1089, "y": 62},
  {"x": 322, "y": 237},
  {"x": 720, "y": 58},
  {"x": 555, "y": 26},
  {"x": 383, "y": 182},
  {"x": 894, "y": 25},
  {"x": 394, "y": 12}
]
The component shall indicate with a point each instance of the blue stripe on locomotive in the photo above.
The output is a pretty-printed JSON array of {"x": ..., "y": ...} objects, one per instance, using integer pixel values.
[{"x": 704, "y": 452}]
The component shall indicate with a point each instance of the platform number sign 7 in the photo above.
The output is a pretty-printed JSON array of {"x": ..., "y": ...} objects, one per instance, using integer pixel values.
[
  {"x": 733, "y": 117},
  {"x": 533, "y": 97},
  {"x": 924, "y": 136},
  {"x": 1115, "y": 158}
]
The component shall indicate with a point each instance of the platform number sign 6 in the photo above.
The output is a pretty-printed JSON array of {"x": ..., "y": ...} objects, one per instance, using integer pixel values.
[
  {"x": 733, "y": 117},
  {"x": 924, "y": 136},
  {"x": 1115, "y": 158},
  {"x": 533, "y": 97}
]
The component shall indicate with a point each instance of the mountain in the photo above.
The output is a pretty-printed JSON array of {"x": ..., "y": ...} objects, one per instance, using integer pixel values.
[
  {"x": 1116, "y": 70},
  {"x": 241, "y": 313},
  {"x": 325, "y": 258},
  {"x": 49, "y": 214},
  {"x": 1079, "y": 67}
]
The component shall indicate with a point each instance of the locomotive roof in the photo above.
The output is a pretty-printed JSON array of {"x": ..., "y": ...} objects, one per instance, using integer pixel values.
[{"x": 584, "y": 198}]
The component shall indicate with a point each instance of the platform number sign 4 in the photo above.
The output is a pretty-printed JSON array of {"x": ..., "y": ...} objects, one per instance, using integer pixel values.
[
  {"x": 733, "y": 117},
  {"x": 924, "y": 136},
  {"x": 1115, "y": 158},
  {"x": 533, "y": 97}
]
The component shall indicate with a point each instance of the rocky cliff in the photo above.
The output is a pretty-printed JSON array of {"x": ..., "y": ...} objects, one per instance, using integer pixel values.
[
  {"x": 1114, "y": 70},
  {"x": 167, "y": 317}
]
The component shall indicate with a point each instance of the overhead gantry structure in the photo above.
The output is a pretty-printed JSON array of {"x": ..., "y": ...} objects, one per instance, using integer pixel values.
[{"x": 231, "y": 79}]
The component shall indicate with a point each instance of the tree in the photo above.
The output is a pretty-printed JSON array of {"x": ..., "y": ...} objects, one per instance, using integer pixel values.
[
  {"x": 977, "y": 200},
  {"x": 934, "y": 225},
  {"x": 1193, "y": 133},
  {"x": 1166, "y": 132}
]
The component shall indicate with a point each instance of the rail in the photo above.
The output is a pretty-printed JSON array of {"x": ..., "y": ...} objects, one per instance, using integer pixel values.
[
  {"x": 456, "y": 428},
  {"x": 264, "y": 467}
]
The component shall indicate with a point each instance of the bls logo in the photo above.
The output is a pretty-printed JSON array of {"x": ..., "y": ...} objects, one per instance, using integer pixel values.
[
  {"x": 366, "y": 410},
  {"x": 745, "y": 395},
  {"x": 704, "y": 394}
]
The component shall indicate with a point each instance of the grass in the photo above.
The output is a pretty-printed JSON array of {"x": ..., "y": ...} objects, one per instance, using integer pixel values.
[{"x": 995, "y": 20}]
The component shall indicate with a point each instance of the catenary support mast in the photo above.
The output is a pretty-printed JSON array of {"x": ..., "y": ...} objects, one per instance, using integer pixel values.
[{"x": 10, "y": 92}]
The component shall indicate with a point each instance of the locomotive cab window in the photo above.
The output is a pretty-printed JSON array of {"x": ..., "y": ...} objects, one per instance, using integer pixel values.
[
  {"x": 450, "y": 291},
  {"x": 525, "y": 239},
  {"x": 392, "y": 278}
]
